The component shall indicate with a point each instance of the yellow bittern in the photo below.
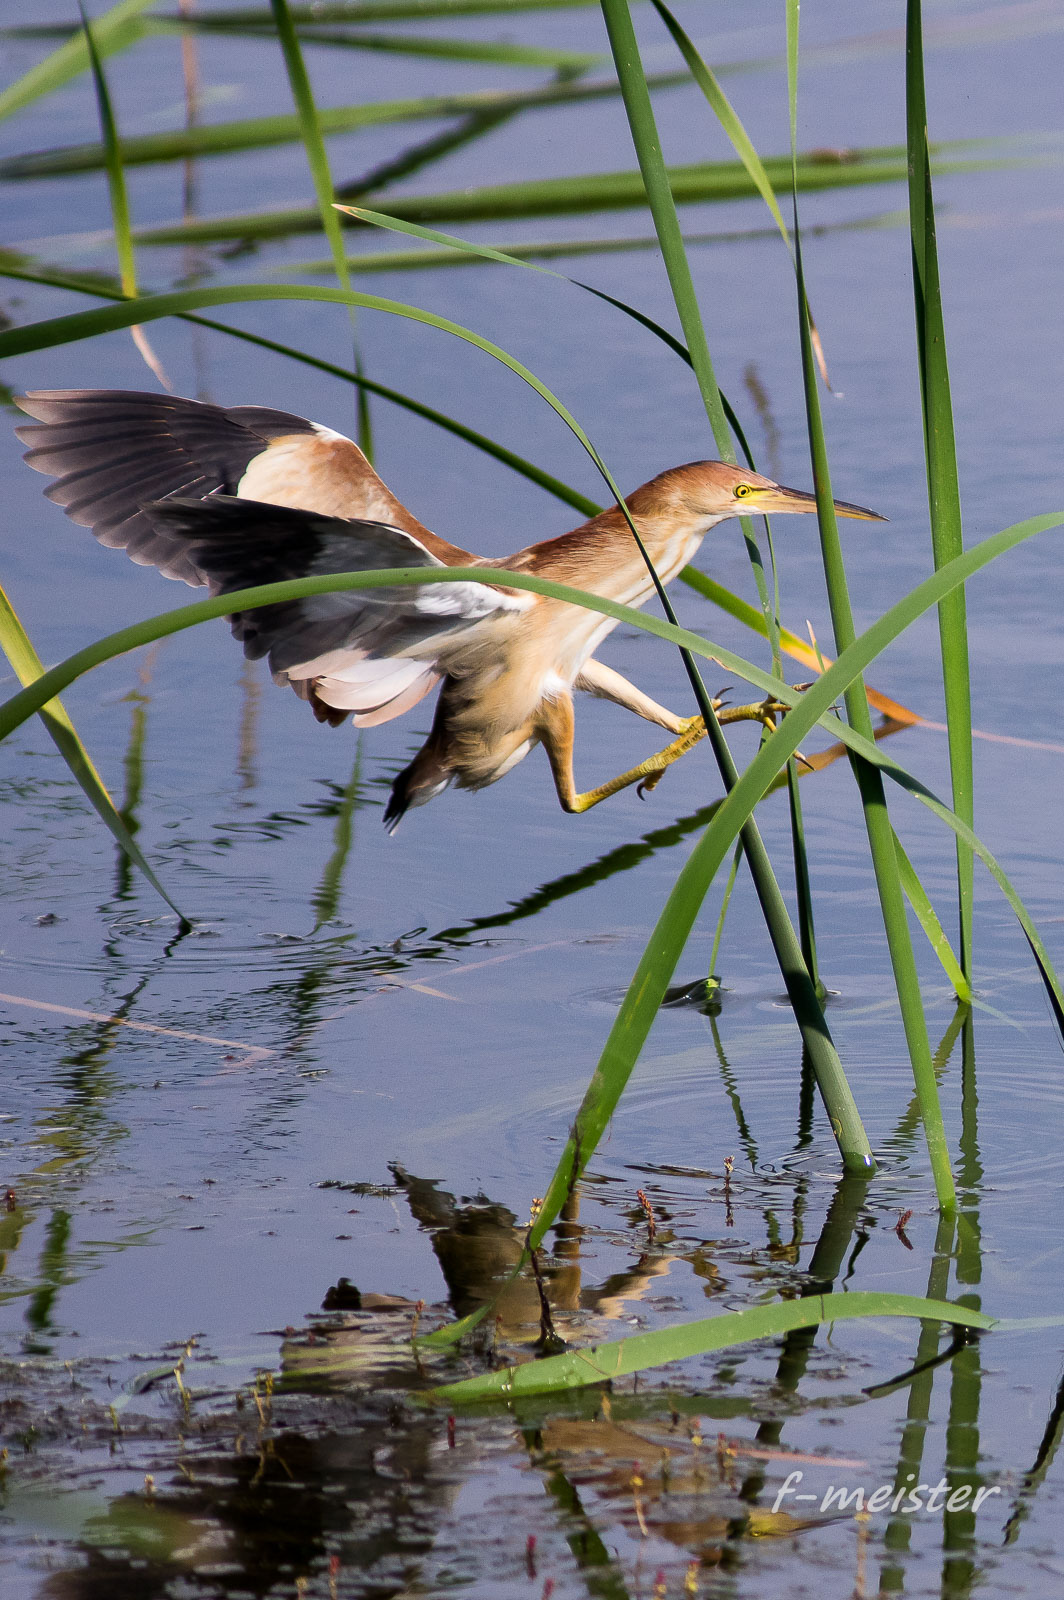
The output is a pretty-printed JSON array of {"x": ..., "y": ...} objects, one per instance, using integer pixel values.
[{"x": 246, "y": 495}]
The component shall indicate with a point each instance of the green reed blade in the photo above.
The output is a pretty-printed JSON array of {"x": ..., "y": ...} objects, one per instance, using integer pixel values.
[
  {"x": 116, "y": 183},
  {"x": 890, "y": 769},
  {"x": 943, "y": 487},
  {"x": 744, "y": 148},
  {"x": 538, "y": 197},
  {"x": 927, "y": 917},
  {"x": 133, "y": 768},
  {"x": 13, "y": 638},
  {"x": 737, "y": 134},
  {"x": 467, "y": 247},
  {"x": 725, "y": 901},
  {"x": 116, "y": 188},
  {"x": 802, "y": 881},
  {"x": 111, "y": 32},
  {"x": 311, "y": 133},
  {"x": 318, "y": 161},
  {"x": 620, "y": 1358},
  {"x": 869, "y": 779},
  {"x": 726, "y": 115},
  {"x": 27, "y": 666},
  {"x": 325, "y": 901}
]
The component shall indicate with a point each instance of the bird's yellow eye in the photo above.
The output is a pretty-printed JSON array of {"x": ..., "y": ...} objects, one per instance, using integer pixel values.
[{"x": 742, "y": 490}]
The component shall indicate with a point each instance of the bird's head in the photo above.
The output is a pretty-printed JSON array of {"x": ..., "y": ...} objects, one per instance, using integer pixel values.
[{"x": 714, "y": 489}]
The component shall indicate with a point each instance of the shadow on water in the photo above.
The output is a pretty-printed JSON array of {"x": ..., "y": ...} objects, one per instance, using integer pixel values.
[{"x": 628, "y": 856}]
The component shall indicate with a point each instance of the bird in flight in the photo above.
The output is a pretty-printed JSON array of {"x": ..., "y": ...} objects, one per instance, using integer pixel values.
[{"x": 239, "y": 496}]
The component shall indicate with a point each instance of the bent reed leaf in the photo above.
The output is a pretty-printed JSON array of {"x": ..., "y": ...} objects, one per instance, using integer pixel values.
[
  {"x": 641, "y": 1351},
  {"x": 548, "y": 249},
  {"x": 489, "y": 253}
]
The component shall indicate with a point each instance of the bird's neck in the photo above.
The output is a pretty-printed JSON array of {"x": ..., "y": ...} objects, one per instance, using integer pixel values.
[{"x": 603, "y": 549}]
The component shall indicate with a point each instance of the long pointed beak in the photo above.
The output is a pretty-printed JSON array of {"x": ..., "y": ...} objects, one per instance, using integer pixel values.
[{"x": 781, "y": 499}]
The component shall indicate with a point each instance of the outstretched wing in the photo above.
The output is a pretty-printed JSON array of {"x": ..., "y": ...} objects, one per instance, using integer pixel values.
[
  {"x": 111, "y": 451},
  {"x": 373, "y": 652}
]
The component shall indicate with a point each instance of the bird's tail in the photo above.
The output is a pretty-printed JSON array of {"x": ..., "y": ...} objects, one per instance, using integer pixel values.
[{"x": 426, "y": 777}]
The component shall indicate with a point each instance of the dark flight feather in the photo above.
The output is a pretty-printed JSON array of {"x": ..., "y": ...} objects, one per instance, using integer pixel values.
[{"x": 112, "y": 450}]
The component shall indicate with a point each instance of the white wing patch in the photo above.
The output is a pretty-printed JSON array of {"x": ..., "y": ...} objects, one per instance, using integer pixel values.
[{"x": 469, "y": 600}]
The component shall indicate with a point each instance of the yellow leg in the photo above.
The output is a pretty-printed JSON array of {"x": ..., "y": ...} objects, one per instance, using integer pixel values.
[
  {"x": 648, "y": 772},
  {"x": 556, "y": 732},
  {"x": 763, "y": 711}
]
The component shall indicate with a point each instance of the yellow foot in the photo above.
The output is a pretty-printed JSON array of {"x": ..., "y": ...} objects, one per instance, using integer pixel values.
[
  {"x": 692, "y": 729},
  {"x": 648, "y": 773},
  {"x": 764, "y": 711}
]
